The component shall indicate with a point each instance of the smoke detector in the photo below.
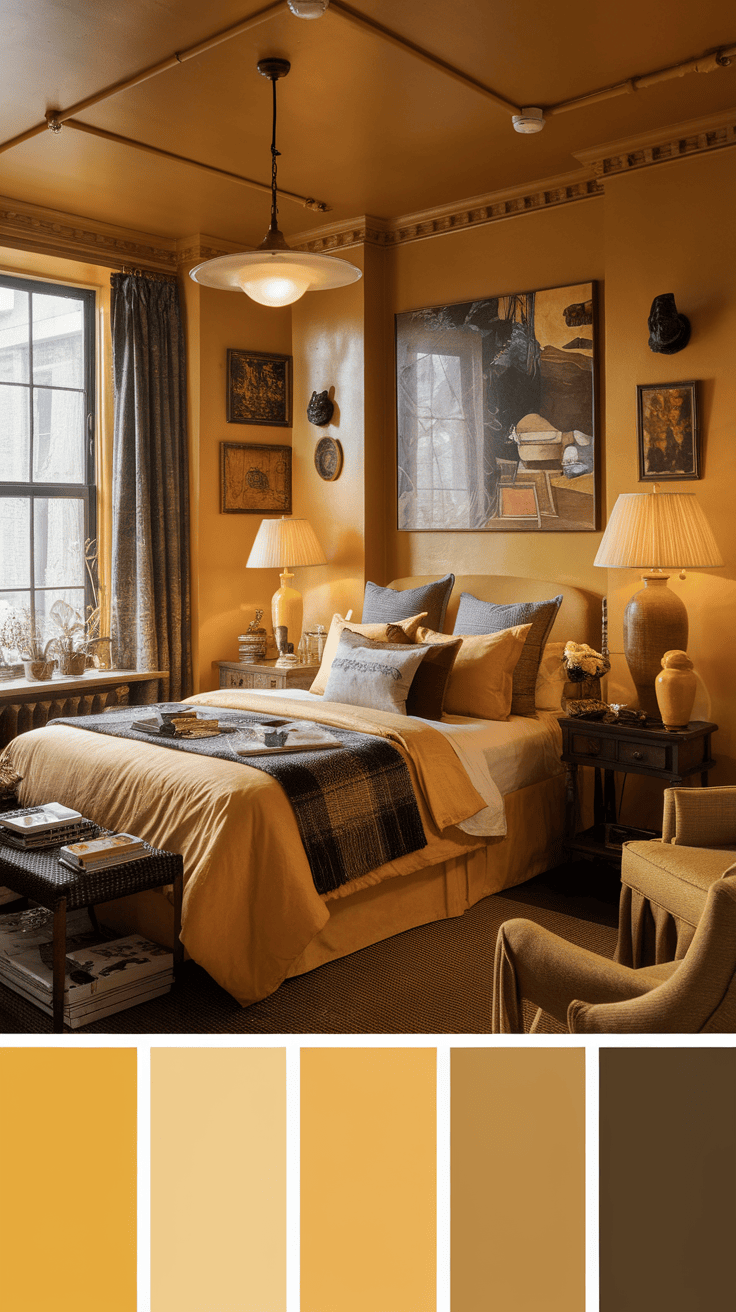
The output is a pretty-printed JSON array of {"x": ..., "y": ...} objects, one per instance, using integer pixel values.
[
  {"x": 529, "y": 120},
  {"x": 308, "y": 8}
]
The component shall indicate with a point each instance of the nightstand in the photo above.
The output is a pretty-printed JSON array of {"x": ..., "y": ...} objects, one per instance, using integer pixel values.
[
  {"x": 264, "y": 674},
  {"x": 615, "y": 748}
]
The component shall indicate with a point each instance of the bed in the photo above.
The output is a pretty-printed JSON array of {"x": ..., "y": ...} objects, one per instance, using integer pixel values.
[{"x": 490, "y": 795}]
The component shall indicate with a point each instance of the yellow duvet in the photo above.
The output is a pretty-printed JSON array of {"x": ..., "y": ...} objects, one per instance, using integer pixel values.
[{"x": 250, "y": 905}]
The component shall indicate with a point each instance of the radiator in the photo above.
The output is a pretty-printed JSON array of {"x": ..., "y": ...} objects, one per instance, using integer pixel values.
[{"x": 29, "y": 712}]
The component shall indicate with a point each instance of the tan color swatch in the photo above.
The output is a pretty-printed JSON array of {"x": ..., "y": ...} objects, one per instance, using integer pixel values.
[
  {"x": 518, "y": 1179},
  {"x": 368, "y": 1180},
  {"x": 218, "y": 1180},
  {"x": 68, "y": 1198}
]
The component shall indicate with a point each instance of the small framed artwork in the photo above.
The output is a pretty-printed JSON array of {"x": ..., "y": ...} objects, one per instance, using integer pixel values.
[
  {"x": 259, "y": 388},
  {"x": 668, "y": 431},
  {"x": 255, "y": 480}
]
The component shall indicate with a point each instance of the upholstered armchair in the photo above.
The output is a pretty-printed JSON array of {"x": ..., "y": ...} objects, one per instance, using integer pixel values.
[
  {"x": 591, "y": 995},
  {"x": 664, "y": 884}
]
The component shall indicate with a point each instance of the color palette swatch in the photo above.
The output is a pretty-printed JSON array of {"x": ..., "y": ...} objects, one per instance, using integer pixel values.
[
  {"x": 667, "y": 1179},
  {"x": 68, "y": 1197},
  {"x": 518, "y": 1179},
  {"x": 368, "y": 1179}
]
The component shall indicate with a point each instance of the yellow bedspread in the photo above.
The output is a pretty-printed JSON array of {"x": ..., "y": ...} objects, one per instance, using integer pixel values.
[{"x": 250, "y": 905}]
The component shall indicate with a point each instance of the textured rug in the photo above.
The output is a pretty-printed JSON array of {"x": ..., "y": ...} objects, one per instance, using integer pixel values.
[{"x": 431, "y": 980}]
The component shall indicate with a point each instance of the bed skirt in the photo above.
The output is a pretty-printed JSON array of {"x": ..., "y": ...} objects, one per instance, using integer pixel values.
[{"x": 533, "y": 844}]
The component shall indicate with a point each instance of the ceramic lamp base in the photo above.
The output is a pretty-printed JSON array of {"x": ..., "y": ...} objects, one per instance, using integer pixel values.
[
  {"x": 655, "y": 621},
  {"x": 287, "y": 609}
]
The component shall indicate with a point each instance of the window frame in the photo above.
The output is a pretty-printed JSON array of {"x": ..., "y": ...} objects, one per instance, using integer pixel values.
[{"x": 87, "y": 490}]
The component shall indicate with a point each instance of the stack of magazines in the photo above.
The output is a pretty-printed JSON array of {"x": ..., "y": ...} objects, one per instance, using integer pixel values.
[
  {"x": 101, "y": 977},
  {"x": 42, "y": 826},
  {"x": 102, "y": 853}
]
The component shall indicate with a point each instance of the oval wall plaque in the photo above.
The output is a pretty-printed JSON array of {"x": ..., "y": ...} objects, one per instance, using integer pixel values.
[{"x": 328, "y": 458}]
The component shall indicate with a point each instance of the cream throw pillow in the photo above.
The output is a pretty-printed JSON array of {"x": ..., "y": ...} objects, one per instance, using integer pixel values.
[
  {"x": 482, "y": 676},
  {"x": 378, "y": 633},
  {"x": 551, "y": 678}
]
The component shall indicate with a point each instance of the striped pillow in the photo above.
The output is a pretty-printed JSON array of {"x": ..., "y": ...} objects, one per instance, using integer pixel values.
[{"x": 388, "y": 605}]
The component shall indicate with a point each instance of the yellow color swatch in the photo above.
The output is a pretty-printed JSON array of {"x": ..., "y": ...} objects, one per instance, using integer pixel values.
[
  {"x": 218, "y": 1180},
  {"x": 518, "y": 1179},
  {"x": 368, "y": 1180},
  {"x": 68, "y": 1197}
]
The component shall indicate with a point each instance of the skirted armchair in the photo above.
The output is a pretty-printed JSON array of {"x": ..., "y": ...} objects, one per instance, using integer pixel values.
[
  {"x": 664, "y": 885},
  {"x": 674, "y": 969}
]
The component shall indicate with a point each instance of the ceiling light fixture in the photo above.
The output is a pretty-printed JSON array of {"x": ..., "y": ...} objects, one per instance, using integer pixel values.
[
  {"x": 308, "y": 8},
  {"x": 273, "y": 274},
  {"x": 529, "y": 120}
]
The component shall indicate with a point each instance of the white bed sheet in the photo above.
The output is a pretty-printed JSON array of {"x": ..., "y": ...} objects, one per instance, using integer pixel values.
[{"x": 499, "y": 756}]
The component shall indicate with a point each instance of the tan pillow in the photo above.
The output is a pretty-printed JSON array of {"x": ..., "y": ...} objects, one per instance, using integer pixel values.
[
  {"x": 482, "y": 676},
  {"x": 378, "y": 632},
  {"x": 551, "y": 678}
]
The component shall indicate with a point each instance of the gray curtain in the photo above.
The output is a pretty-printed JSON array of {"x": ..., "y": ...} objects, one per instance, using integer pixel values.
[{"x": 150, "y": 529}]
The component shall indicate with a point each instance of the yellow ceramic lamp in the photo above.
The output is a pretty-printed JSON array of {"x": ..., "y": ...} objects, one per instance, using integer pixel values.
[{"x": 279, "y": 544}]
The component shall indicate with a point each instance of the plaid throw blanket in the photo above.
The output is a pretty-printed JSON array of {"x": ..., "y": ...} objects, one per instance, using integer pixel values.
[{"x": 354, "y": 805}]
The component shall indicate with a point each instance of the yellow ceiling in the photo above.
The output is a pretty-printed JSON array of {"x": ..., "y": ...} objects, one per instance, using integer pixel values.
[{"x": 363, "y": 125}]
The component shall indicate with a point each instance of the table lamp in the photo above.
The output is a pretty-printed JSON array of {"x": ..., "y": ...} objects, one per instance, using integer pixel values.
[
  {"x": 280, "y": 543},
  {"x": 656, "y": 531}
]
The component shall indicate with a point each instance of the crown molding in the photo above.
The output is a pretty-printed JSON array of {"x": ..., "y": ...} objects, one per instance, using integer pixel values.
[
  {"x": 52, "y": 232},
  {"x": 678, "y": 141},
  {"x": 193, "y": 250}
]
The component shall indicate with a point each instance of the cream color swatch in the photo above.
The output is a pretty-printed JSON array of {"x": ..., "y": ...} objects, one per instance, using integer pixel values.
[
  {"x": 368, "y": 1180},
  {"x": 518, "y": 1179},
  {"x": 218, "y": 1180},
  {"x": 68, "y": 1198}
]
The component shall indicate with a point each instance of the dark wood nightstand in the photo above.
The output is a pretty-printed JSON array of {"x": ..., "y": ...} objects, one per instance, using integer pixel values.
[
  {"x": 610, "y": 748},
  {"x": 264, "y": 674}
]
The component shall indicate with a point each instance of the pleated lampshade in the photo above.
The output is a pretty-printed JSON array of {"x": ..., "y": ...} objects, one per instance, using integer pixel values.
[
  {"x": 663, "y": 530},
  {"x": 656, "y": 531},
  {"x": 289, "y": 542}
]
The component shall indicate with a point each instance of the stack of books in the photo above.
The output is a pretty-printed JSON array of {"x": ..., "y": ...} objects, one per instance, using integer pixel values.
[
  {"x": 101, "y": 977},
  {"x": 42, "y": 826},
  {"x": 102, "y": 853},
  {"x": 186, "y": 724}
]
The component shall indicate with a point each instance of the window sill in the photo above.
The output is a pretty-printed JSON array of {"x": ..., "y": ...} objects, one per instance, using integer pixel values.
[{"x": 16, "y": 689}]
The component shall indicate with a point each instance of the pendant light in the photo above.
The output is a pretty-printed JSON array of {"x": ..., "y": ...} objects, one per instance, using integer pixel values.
[{"x": 273, "y": 274}]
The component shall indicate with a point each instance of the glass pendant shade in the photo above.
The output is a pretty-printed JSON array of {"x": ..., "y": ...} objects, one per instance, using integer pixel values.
[{"x": 275, "y": 277}]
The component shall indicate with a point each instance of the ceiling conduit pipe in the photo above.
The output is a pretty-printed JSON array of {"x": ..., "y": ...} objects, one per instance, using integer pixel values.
[{"x": 709, "y": 63}]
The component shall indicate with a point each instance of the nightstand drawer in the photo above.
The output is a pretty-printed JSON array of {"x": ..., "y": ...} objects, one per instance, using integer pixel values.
[
  {"x": 231, "y": 679},
  {"x": 594, "y": 748},
  {"x": 643, "y": 754},
  {"x": 267, "y": 680}
]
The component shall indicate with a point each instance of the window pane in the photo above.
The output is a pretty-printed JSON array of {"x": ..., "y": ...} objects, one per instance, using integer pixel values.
[
  {"x": 58, "y": 541},
  {"x": 10, "y": 602},
  {"x": 15, "y": 445},
  {"x": 14, "y": 330},
  {"x": 58, "y": 436},
  {"x": 58, "y": 341},
  {"x": 74, "y": 597},
  {"x": 15, "y": 543}
]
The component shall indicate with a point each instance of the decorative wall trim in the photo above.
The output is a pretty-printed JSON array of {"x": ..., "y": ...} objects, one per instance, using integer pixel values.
[
  {"x": 51, "y": 232},
  {"x": 678, "y": 141},
  {"x": 193, "y": 250}
]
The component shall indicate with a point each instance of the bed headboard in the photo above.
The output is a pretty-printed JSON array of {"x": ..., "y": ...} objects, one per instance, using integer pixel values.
[{"x": 578, "y": 619}]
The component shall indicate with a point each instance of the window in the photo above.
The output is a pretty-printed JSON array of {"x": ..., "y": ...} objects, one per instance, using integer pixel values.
[{"x": 47, "y": 475}]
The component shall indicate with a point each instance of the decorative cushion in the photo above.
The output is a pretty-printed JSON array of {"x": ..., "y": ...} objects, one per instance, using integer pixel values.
[
  {"x": 386, "y": 605},
  {"x": 377, "y": 632},
  {"x": 475, "y": 617},
  {"x": 481, "y": 679},
  {"x": 372, "y": 674},
  {"x": 551, "y": 678},
  {"x": 427, "y": 693}
]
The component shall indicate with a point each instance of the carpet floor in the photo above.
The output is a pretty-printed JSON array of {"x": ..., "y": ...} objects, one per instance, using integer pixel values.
[{"x": 432, "y": 980}]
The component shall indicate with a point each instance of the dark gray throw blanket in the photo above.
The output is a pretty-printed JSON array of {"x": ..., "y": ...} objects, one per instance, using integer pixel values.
[{"x": 354, "y": 805}]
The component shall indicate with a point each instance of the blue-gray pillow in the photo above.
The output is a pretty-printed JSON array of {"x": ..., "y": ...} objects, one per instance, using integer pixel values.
[
  {"x": 375, "y": 675},
  {"x": 390, "y": 606},
  {"x": 475, "y": 616}
]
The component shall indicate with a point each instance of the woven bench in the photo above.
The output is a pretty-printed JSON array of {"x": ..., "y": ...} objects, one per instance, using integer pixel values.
[{"x": 40, "y": 876}]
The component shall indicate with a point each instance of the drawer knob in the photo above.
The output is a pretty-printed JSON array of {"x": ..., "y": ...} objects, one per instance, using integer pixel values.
[{"x": 637, "y": 755}]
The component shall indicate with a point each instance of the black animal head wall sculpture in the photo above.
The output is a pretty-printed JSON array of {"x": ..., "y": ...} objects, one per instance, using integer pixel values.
[
  {"x": 320, "y": 409},
  {"x": 669, "y": 331}
]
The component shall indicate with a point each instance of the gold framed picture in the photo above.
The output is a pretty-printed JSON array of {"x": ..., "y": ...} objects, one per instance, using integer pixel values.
[
  {"x": 259, "y": 388},
  {"x": 255, "y": 479},
  {"x": 668, "y": 433}
]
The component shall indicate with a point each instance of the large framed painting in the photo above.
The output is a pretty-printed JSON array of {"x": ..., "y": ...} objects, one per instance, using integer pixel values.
[
  {"x": 255, "y": 480},
  {"x": 496, "y": 407},
  {"x": 668, "y": 434},
  {"x": 259, "y": 388}
]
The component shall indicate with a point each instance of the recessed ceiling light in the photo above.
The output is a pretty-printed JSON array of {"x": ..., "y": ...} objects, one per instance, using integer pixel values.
[{"x": 529, "y": 120}]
